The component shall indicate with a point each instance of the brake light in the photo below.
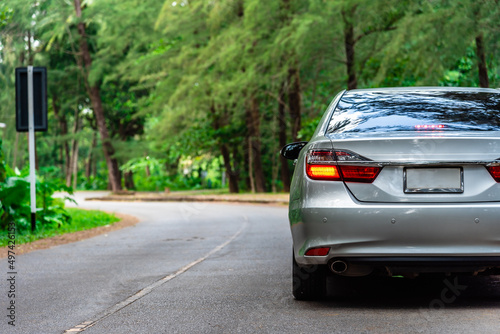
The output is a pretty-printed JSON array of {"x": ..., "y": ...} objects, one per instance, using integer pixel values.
[
  {"x": 322, "y": 165},
  {"x": 430, "y": 127},
  {"x": 360, "y": 173},
  {"x": 320, "y": 251},
  {"x": 495, "y": 172}
]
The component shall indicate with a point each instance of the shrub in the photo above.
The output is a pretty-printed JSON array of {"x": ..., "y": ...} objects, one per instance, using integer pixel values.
[{"x": 15, "y": 200}]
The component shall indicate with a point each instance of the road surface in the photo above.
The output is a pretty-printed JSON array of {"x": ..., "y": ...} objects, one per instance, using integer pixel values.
[{"x": 220, "y": 268}]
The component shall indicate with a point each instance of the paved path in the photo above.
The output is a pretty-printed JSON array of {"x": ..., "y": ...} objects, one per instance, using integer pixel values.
[{"x": 220, "y": 268}]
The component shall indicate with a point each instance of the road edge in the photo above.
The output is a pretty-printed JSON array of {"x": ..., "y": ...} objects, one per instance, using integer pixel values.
[{"x": 66, "y": 238}]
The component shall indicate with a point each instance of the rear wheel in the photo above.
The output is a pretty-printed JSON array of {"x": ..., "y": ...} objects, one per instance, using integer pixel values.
[{"x": 309, "y": 283}]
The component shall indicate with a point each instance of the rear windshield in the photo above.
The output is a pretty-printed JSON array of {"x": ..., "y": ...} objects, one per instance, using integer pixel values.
[{"x": 359, "y": 112}]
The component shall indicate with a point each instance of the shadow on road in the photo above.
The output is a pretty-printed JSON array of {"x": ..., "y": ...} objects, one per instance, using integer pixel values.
[{"x": 432, "y": 293}]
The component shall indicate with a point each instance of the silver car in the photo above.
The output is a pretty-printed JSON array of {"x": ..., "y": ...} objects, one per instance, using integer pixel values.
[{"x": 397, "y": 181}]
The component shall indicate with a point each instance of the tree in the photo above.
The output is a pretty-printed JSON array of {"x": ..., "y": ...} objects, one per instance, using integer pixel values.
[
  {"x": 94, "y": 92},
  {"x": 197, "y": 81},
  {"x": 427, "y": 39},
  {"x": 231, "y": 80}
]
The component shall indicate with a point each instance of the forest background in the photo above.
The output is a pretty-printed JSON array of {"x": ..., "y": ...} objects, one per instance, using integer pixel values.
[{"x": 154, "y": 95}]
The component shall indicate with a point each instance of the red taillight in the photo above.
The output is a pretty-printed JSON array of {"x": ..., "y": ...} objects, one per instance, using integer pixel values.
[
  {"x": 320, "y": 251},
  {"x": 430, "y": 127},
  {"x": 323, "y": 172},
  {"x": 495, "y": 172},
  {"x": 322, "y": 165},
  {"x": 359, "y": 173}
]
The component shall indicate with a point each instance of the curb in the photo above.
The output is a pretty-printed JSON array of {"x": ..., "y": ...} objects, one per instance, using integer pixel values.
[{"x": 187, "y": 199}]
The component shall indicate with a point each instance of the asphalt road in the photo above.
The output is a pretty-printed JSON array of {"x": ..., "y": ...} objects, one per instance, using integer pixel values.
[{"x": 220, "y": 268}]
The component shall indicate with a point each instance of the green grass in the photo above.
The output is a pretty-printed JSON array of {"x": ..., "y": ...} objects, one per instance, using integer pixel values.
[{"x": 80, "y": 220}]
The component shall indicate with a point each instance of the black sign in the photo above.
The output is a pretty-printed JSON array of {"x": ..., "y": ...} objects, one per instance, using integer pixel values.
[{"x": 39, "y": 98}]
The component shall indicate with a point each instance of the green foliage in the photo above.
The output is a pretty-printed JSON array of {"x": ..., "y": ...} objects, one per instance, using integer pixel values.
[
  {"x": 15, "y": 200},
  {"x": 80, "y": 220},
  {"x": 121, "y": 111},
  {"x": 52, "y": 211},
  {"x": 93, "y": 182},
  {"x": 179, "y": 85},
  {"x": 3, "y": 171},
  {"x": 14, "y": 196},
  {"x": 86, "y": 219},
  {"x": 436, "y": 35},
  {"x": 308, "y": 128},
  {"x": 463, "y": 73},
  {"x": 5, "y": 15},
  {"x": 149, "y": 174}
]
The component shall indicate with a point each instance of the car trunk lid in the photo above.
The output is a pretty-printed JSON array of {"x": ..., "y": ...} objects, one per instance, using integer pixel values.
[{"x": 426, "y": 168}]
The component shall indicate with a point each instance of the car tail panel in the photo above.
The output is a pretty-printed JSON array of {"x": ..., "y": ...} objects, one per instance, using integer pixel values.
[{"x": 413, "y": 169}]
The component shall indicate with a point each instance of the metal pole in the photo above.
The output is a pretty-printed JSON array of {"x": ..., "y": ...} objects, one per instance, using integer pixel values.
[{"x": 31, "y": 140}]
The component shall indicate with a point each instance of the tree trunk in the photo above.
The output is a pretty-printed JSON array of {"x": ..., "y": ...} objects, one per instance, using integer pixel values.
[
  {"x": 235, "y": 163},
  {"x": 246, "y": 162},
  {"x": 294, "y": 102},
  {"x": 14, "y": 163},
  {"x": 95, "y": 98},
  {"x": 148, "y": 171},
  {"x": 481, "y": 62},
  {"x": 349, "y": 43},
  {"x": 250, "y": 166},
  {"x": 30, "y": 49},
  {"x": 73, "y": 160},
  {"x": 109, "y": 151},
  {"x": 88, "y": 164},
  {"x": 232, "y": 175},
  {"x": 74, "y": 172},
  {"x": 253, "y": 126},
  {"x": 63, "y": 126},
  {"x": 285, "y": 172},
  {"x": 129, "y": 180},
  {"x": 171, "y": 167},
  {"x": 274, "y": 173}
]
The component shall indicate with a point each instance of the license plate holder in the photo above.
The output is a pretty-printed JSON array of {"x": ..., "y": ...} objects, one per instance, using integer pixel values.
[{"x": 442, "y": 180}]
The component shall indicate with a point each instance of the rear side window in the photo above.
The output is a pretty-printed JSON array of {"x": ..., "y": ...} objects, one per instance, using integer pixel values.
[{"x": 432, "y": 110}]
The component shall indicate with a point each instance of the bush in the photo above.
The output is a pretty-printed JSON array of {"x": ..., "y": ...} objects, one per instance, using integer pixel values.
[{"x": 15, "y": 200}]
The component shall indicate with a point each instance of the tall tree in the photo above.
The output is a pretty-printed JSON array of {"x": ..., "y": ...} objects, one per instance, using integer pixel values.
[
  {"x": 427, "y": 39},
  {"x": 95, "y": 98}
]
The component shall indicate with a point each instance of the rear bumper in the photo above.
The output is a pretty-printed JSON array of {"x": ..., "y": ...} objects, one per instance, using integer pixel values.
[
  {"x": 406, "y": 265},
  {"x": 403, "y": 235}
]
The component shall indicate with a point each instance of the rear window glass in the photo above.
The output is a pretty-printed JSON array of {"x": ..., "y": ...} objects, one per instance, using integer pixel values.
[{"x": 416, "y": 111}]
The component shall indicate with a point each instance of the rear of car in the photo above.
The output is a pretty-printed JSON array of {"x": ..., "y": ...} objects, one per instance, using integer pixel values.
[{"x": 398, "y": 182}]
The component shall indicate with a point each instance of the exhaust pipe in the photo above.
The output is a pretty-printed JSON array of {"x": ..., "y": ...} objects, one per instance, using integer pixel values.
[{"x": 338, "y": 267}]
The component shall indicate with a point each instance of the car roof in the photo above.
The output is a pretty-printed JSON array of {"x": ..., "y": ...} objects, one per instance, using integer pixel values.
[{"x": 424, "y": 89}]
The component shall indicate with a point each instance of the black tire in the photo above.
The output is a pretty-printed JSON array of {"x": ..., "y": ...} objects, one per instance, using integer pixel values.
[{"x": 308, "y": 283}]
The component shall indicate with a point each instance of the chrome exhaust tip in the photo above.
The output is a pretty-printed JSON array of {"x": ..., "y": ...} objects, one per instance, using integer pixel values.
[{"x": 338, "y": 267}]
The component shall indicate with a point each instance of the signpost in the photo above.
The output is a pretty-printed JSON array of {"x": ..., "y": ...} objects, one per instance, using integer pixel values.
[{"x": 31, "y": 116}]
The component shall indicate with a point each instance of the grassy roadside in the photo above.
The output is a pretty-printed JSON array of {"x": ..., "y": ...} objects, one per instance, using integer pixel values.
[{"x": 81, "y": 220}]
